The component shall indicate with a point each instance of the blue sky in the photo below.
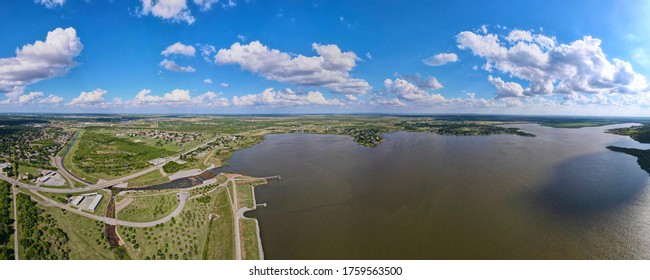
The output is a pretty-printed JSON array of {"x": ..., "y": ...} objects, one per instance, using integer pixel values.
[{"x": 208, "y": 56}]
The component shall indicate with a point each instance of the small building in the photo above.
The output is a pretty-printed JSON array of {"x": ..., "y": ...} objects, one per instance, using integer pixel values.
[
  {"x": 90, "y": 194},
  {"x": 93, "y": 205},
  {"x": 77, "y": 200}
]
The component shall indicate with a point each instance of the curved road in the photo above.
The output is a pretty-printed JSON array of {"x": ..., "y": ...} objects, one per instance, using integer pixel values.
[
  {"x": 112, "y": 221},
  {"x": 101, "y": 185}
]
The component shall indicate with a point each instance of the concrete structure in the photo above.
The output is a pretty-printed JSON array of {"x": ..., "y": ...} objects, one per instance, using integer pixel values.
[
  {"x": 77, "y": 200},
  {"x": 89, "y": 194},
  {"x": 93, "y": 205}
]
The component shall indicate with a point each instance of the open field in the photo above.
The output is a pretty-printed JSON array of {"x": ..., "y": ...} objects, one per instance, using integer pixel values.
[
  {"x": 250, "y": 247},
  {"x": 181, "y": 238},
  {"x": 106, "y": 156},
  {"x": 151, "y": 178},
  {"x": 220, "y": 234},
  {"x": 87, "y": 241},
  {"x": 148, "y": 207}
]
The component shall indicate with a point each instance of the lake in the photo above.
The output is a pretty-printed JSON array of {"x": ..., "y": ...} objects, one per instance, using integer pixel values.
[{"x": 560, "y": 195}]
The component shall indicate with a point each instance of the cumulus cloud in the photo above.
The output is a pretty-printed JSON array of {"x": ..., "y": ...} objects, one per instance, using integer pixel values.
[
  {"x": 172, "y": 66},
  {"x": 177, "y": 97},
  {"x": 429, "y": 82},
  {"x": 405, "y": 90},
  {"x": 35, "y": 97},
  {"x": 93, "y": 98},
  {"x": 578, "y": 67},
  {"x": 171, "y": 10},
  {"x": 205, "y": 5},
  {"x": 51, "y": 99},
  {"x": 330, "y": 69},
  {"x": 506, "y": 89},
  {"x": 440, "y": 59},
  {"x": 351, "y": 98},
  {"x": 29, "y": 98},
  {"x": 391, "y": 102},
  {"x": 179, "y": 49},
  {"x": 50, "y": 4},
  {"x": 224, "y": 84},
  {"x": 207, "y": 81},
  {"x": 207, "y": 51},
  {"x": 288, "y": 97},
  {"x": 41, "y": 60}
]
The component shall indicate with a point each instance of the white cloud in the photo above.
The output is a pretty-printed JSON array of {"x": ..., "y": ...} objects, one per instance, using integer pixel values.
[
  {"x": 331, "y": 69},
  {"x": 51, "y": 99},
  {"x": 484, "y": 29},
  {"x": 211, "y": 99},
  {"x": 506, "y": 89},
  {"x": 50, "y": 4},
  {"x": 392, "y": 102},
  {"x": 205, "y": 5},
  {"x": 207, "y": 51},
  {"x": 351, "y": 97},
  {"x": 225, "y": 84},
  {"x": 177, "y": 97},
  {"x": 41, "y": 60},
  {"x": 405, "y": 90},
  {"x": 519, "y": 35},
  {"x": 93, "y": 98},
  {"x": 207, "y": 81},
  {"x": 228, "y": 4},
  {"x": 172, "y": 66},
  {"x": 429, "y": 82},
  {"x": 440, "y": 59},
  {"x": 578, "y": 67},
  {"x": 29, "y": 98},
  {"x": 288, "y": 97},
  {"x": 172, "y": 10},
  {"x": 179, "y": 49},
  {"x": 241, "y": 38},
  {"x": 368, "y": 55}
]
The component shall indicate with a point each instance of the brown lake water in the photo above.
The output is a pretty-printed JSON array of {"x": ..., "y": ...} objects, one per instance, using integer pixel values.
[{"x": 560, "y": 195}]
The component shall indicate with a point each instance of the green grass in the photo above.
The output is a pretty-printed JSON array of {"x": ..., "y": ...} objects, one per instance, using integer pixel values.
[
  {"x": 102, "y": 155},
  {"x": 245, "y": 195},
  {"x": 69, "y": 164},
  {"x": 151, "y": 178},
  {"x": 220, "y": 243},
  {"x": 576, "y": 124},
  {"x": 172, "y": 167},
  {"x": 250, "y": 248},
  {"x": 184, "y": 237},
  {"x": 146, "y": 208},
  {"x": 99, "y": 211},
  {"x": 87, "y": 241}
]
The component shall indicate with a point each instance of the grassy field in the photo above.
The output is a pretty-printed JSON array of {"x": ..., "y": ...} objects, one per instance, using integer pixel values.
[
  {"x": 63, "y": 198},
  {"x": 148, "y": 207},
  {"x": 220, "y": 243},
  {"x": 69, "y": 164},
  {"x": 248, "y": 234},
  {"x": 151, "y": 178},
  {"x": 87, "y": 241},
  {"x": 102, "y": 155},
  {"x": 182, "y": 238},
  {"x": 245, "y": 195}
]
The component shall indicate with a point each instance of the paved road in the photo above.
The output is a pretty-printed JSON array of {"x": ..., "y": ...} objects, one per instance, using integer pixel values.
[
  {"x": 58, "y": 163},
  {"x": 112, "y": 221},
  {"x": 235, "y": 205},
  {"x": 101, "y": 185},
  {"x": 13, "y": 190}
]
